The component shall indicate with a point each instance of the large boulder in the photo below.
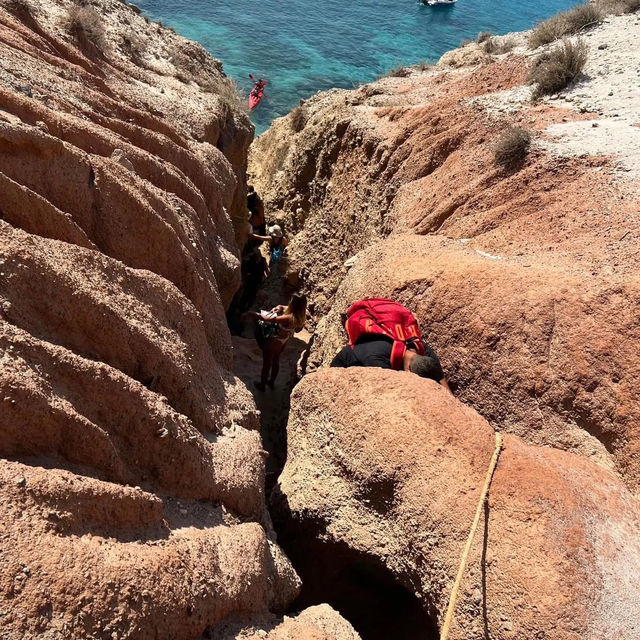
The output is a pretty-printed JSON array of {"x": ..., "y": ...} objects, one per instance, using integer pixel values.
[
  {"x": 535, "y": 347},
  {"x": 385, "y": 471}
]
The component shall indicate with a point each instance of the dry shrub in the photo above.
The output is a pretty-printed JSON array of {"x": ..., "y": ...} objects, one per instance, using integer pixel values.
[
  {"x": 558, "y": 68},
  {"x": 548, "y": 31},
  {"x": 18, "y": 7},
  {"x": 135, "y": 45},
  {"x": 582, "y": 17},
  {"x": 424, "y": 65},
  {"x": 483, "y": 36},
  {"x": 226, "y": 88},
  {"x": 498, "y": 46},
  {"x": 619, "y": 7},
  {"x": 298, "y": 119},
  {"x": 490, "y": 45},
  {"x": 86, "y": 26},
  {"x": 566, "y": 23},
  {"x": 512, "y": 147},
  {"x": 398, "y": 72},
  {"x": 507, "y": 44}
]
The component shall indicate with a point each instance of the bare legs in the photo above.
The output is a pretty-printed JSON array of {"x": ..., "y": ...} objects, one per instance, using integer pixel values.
[{"x": 270, "y": 364}]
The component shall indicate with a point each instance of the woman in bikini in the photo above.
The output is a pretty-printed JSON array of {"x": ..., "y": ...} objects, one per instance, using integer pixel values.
[{"x": 285, "y": 321}]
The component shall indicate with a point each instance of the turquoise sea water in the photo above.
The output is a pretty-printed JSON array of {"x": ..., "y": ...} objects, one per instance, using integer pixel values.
[{"x": 305, "y": 46}]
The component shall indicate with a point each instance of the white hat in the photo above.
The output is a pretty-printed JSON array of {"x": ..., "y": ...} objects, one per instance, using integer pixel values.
[{"x": 275, "y": 231}]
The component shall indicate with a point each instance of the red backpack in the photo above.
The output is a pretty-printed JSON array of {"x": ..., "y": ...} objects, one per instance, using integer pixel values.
[{"x": 387, "y": 318}]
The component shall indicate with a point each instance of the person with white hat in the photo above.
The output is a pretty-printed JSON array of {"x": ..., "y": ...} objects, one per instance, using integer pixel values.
[{"x": 277, "y": 243}]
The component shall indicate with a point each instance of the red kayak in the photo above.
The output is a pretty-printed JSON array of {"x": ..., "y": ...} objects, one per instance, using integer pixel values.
[{"x": 257, "y": 93}]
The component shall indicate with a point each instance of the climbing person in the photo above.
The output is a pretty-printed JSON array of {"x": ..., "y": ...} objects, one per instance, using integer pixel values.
[
  {"x": 273, "y": 331},
  {"x": 277, "y": 243},
  {"x": 255, "y": 205},
  {"x": 257, "y": 226},
  {"x": 254, "y": 269},
  {"x": 384, "y": 334}
]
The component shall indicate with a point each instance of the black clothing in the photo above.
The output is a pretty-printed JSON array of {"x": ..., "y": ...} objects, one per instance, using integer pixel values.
[
  {"x": 366, "y": 353},
  {"x": 373, "y": 350}
]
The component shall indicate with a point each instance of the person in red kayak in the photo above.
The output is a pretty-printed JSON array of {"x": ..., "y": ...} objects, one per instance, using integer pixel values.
[{"x": 258, "y": 89}]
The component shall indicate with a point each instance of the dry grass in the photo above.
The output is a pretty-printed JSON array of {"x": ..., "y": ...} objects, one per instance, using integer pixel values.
[
  {"x": 424, "y": 65},
  {"x": 490, "y": 45},
  {"x": 558, "y": 68},
  {"x": 497, "y": 46},
  {"x": 397, "y": 72},
  {"x": 619, "y": 7},
  {"x": 86, "y": 26},
  {"x": 583, "y": 17},
  {"x": 228, "y": 90},
  {"x": 566, "y": 23},
  {"x": 18, "y": 7},
  {"x": 298, "y": 119},
  {"x": 507, "y": 44},
  {"x": 483, "y": 36},
  {"x": 135, "y": 45},
  {"x": 512, "y": 147}
]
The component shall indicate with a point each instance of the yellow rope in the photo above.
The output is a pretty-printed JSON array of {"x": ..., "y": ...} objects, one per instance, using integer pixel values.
[{"x": 463, "y": 561}]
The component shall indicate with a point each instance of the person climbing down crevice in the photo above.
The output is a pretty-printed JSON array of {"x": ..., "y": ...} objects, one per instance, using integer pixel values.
[
  {"x": 277, "y": 243},
  {"x": 274, "y": 329},
  {"x": 384, "y": 334}
]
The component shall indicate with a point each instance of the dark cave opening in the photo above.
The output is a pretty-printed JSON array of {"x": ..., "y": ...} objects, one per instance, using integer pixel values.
[{"x": 356, "y": 584}]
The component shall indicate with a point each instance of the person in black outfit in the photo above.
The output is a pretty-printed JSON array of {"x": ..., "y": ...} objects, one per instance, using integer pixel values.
[
  {"x": 254, "y": 269},
  {"x": 374, "y": 350}
]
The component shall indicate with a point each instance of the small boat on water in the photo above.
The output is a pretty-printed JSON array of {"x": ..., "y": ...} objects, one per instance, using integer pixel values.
[{"x": 438, "y": 3}]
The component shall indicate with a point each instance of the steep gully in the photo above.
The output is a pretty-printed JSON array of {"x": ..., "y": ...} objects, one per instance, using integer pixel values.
[{"x": 357, "y": 585}]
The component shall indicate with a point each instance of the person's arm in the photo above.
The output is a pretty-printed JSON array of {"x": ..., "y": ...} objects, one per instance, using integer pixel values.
[
  {"x": 285, "y": 242},
  {"x": 345, "y": 358},
  {"x": 281, "y": 319},
  {"x": 255, "y": 236}
]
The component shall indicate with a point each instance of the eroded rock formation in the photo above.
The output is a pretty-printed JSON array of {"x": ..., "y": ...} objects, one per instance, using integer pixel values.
[
  {"x": 384, "y": 473},
  {"x": 524, "y": 278},
  {"x": 132, "y": 475}
]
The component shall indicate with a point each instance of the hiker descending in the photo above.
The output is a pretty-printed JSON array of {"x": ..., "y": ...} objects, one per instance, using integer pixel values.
[
  {"x": 254, "y": 269},
  {"x": 257, "y": 92},
  {"x": 384, "y": 334},
  {"x": 257, "y": 226},
  {"x": 277, "y": 243},
  {"x": 274, "y": 329}
]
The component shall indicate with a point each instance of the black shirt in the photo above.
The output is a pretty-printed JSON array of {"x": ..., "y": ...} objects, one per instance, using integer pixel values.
[{"x": 374, "y": 351}]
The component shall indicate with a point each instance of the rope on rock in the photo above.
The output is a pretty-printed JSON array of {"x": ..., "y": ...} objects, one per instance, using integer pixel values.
[{"x": 465, "y": 554}]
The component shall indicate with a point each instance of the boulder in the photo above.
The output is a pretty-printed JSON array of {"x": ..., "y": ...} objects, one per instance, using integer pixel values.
[
  {"x": 385, "y": 471},
  {"x": 533, "y": 346}
]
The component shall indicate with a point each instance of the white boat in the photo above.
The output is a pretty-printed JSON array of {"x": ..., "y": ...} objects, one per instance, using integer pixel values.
[{"x": 435, "y": 3}]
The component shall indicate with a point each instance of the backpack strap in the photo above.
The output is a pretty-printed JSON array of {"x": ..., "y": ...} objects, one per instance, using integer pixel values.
[{"x": 397, "y": 355}]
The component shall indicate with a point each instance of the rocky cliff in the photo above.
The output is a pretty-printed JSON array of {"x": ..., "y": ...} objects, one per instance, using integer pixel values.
[
  {"x": 523, "y": 276},
  {"x": 132, "y": 475}
]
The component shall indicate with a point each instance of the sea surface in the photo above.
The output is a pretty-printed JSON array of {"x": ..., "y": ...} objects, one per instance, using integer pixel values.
[{"x": 305, "y": 46}]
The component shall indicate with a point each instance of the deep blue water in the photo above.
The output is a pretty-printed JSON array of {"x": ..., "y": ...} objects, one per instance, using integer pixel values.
[{"x": 304, "y": 46}]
